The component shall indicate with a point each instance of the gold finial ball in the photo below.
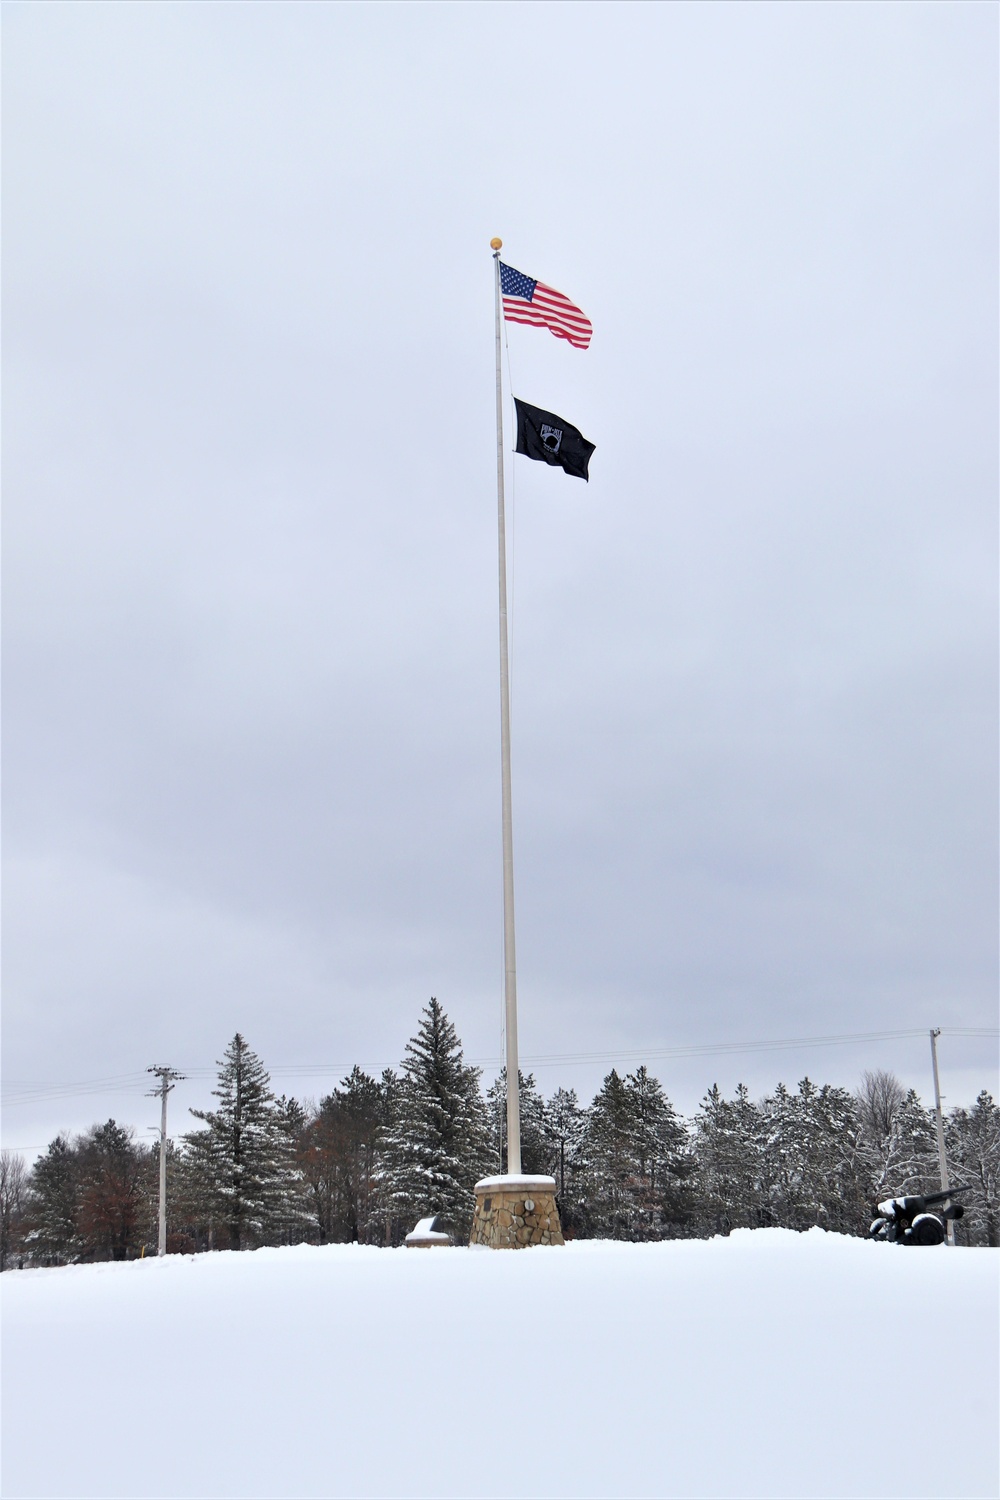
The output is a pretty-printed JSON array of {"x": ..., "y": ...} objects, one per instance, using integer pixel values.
[{"x": 496, "y": 244}]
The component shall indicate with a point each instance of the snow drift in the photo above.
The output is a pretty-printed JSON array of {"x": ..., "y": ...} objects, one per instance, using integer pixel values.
[{"x": 768, "y": 1364}]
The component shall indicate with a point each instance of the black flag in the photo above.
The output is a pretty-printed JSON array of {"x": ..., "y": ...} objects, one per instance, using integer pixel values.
[{"x": 543, "y": 435}]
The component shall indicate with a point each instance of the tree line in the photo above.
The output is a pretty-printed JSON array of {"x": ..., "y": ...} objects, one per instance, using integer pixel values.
[{"x": 376, "y": 1154}]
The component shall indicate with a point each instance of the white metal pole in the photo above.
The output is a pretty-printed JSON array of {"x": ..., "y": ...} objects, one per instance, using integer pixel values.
[
  {"x": 509, "y": 965},
  {"x": 938, "y": 1120}
]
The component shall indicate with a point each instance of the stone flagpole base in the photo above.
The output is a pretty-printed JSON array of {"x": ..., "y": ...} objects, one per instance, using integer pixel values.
[{"x": 514, "y": 1212}]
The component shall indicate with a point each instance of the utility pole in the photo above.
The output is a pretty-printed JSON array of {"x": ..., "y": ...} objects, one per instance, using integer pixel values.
[
  {"x": 939, "y": 1122},
  {"x": 167, "y": 1077}
]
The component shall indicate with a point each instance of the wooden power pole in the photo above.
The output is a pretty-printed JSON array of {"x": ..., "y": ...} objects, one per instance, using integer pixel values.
[{"x": 167, "y": 1077}]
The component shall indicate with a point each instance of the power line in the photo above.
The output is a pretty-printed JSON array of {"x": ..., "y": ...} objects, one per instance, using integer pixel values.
[
  {"x": 713, "y": 1049},
  {"x": 129, "y": 1083},
  {"x": 127, "y": 1079}
]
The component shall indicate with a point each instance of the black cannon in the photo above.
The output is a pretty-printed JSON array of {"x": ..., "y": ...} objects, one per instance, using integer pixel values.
[{"x": 907, "y": 1221}]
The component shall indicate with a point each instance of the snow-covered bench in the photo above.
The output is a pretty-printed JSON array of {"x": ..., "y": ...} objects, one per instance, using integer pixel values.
[{"x": 425, "y": 1236}]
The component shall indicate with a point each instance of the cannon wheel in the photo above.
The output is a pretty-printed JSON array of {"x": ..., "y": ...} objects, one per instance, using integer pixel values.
[{"x": 927, "y": 1229}]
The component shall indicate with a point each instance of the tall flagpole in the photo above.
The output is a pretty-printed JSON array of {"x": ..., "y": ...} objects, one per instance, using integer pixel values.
[
  {"x": 511, "y": 1210},
  {"x": 509, "y": 965}
]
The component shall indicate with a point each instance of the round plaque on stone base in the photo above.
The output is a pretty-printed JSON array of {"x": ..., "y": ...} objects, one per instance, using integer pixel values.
[{"x": 515, "y": 1212}]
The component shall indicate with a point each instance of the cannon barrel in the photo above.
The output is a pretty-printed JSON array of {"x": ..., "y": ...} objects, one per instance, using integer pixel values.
[
  {"x": 915, "y": 1203},
  {"x": 942, "y": 1197}
]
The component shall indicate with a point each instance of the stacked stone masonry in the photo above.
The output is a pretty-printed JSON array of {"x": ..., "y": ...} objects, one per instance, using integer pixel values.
[{"x": 514, "y": 1220}]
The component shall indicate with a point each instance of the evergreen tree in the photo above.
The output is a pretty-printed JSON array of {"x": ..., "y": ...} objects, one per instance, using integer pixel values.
[
  {"x": 811, "y": 1159},
  {"x": 567, "y": 1124},
  {"x": 637, "y": 1161},
  {"x": 242, "y": 1163},
  {"x": 972, "y": 1141},
  {"x": 835, "y": 1178},
  {"x": 729, "y": 1182},
  {"x": 661, "y": 1160},
  {"x": 294, "y": 1220},
  {"x": 779, "y": 1160},
  {"x": 193, "y": 1203},
  {"x": 536, "y": 1138},
  {"x": 608, "y": 1166},
  {"x": 392, "y": 1225},
  {"x": 53, "y": 1233},
  {"x": 361, "y": 1112},
  {"x": 819, "y": 1156},
  {"x": 437, "y": 1144}
]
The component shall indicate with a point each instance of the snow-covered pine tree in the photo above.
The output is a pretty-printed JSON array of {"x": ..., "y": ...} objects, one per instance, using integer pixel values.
[
  {"x": 834, "y": 1172},
  {"x": 567, "y": 1124},
  {"x": 917, "y": 1136},
  {"x": 294, "y": 1224},
  {"x": 712, "y": 1189},
  {"x": 53, "y": 1236},
  {"x": 972, "y": 1140},
  {"x": 637, "y": 1161},
  {"x": 662, "y": 1160},
  {"x": 536, "y": 1139},
  {"x": 192, "y": 1202},
  {"x": 780, "y": 1161},
  {"x": 728, "y": 1150},
  {"x": 609, "y": 1208},
  {"x": 811, "y": 1159},
  {"x": 437, "y": 1144},
  {"x": 243, "y": 1159},
  {"x": 392, "y": 1226}
]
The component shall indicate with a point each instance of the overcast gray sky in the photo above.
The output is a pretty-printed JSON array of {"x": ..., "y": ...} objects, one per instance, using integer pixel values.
[{"x": 252, "y": 762}]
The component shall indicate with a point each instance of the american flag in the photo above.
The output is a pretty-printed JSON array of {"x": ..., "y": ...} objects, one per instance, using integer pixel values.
[{"x": 529, "y": 301}]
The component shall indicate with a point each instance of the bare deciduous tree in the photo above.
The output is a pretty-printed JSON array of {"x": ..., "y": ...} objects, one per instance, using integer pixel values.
[
  {"x": 897, "y": 1142},
  {"x": 880, "y": 1098},
  {"x": 13, "y": 1183}
]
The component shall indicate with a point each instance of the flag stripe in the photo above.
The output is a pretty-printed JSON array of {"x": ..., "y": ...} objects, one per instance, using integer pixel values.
[
  {"x": 563, "y": 314},
  {"x": 522, "y": 312},
  {"x": 579, "y": 340},
  {"x": 542, "y": 314},
  {"x": 559, "y": 333}
]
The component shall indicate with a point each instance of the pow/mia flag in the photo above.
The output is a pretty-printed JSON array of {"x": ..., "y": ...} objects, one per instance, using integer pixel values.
[{"x": 543, "y": 435}]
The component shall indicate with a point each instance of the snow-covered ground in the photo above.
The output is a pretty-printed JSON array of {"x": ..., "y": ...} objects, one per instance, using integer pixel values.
[{"x": 769, "y": 1364}]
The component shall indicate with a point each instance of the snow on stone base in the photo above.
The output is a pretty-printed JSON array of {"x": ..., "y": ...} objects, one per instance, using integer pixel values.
[{"x": 509, "y": 1184}]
